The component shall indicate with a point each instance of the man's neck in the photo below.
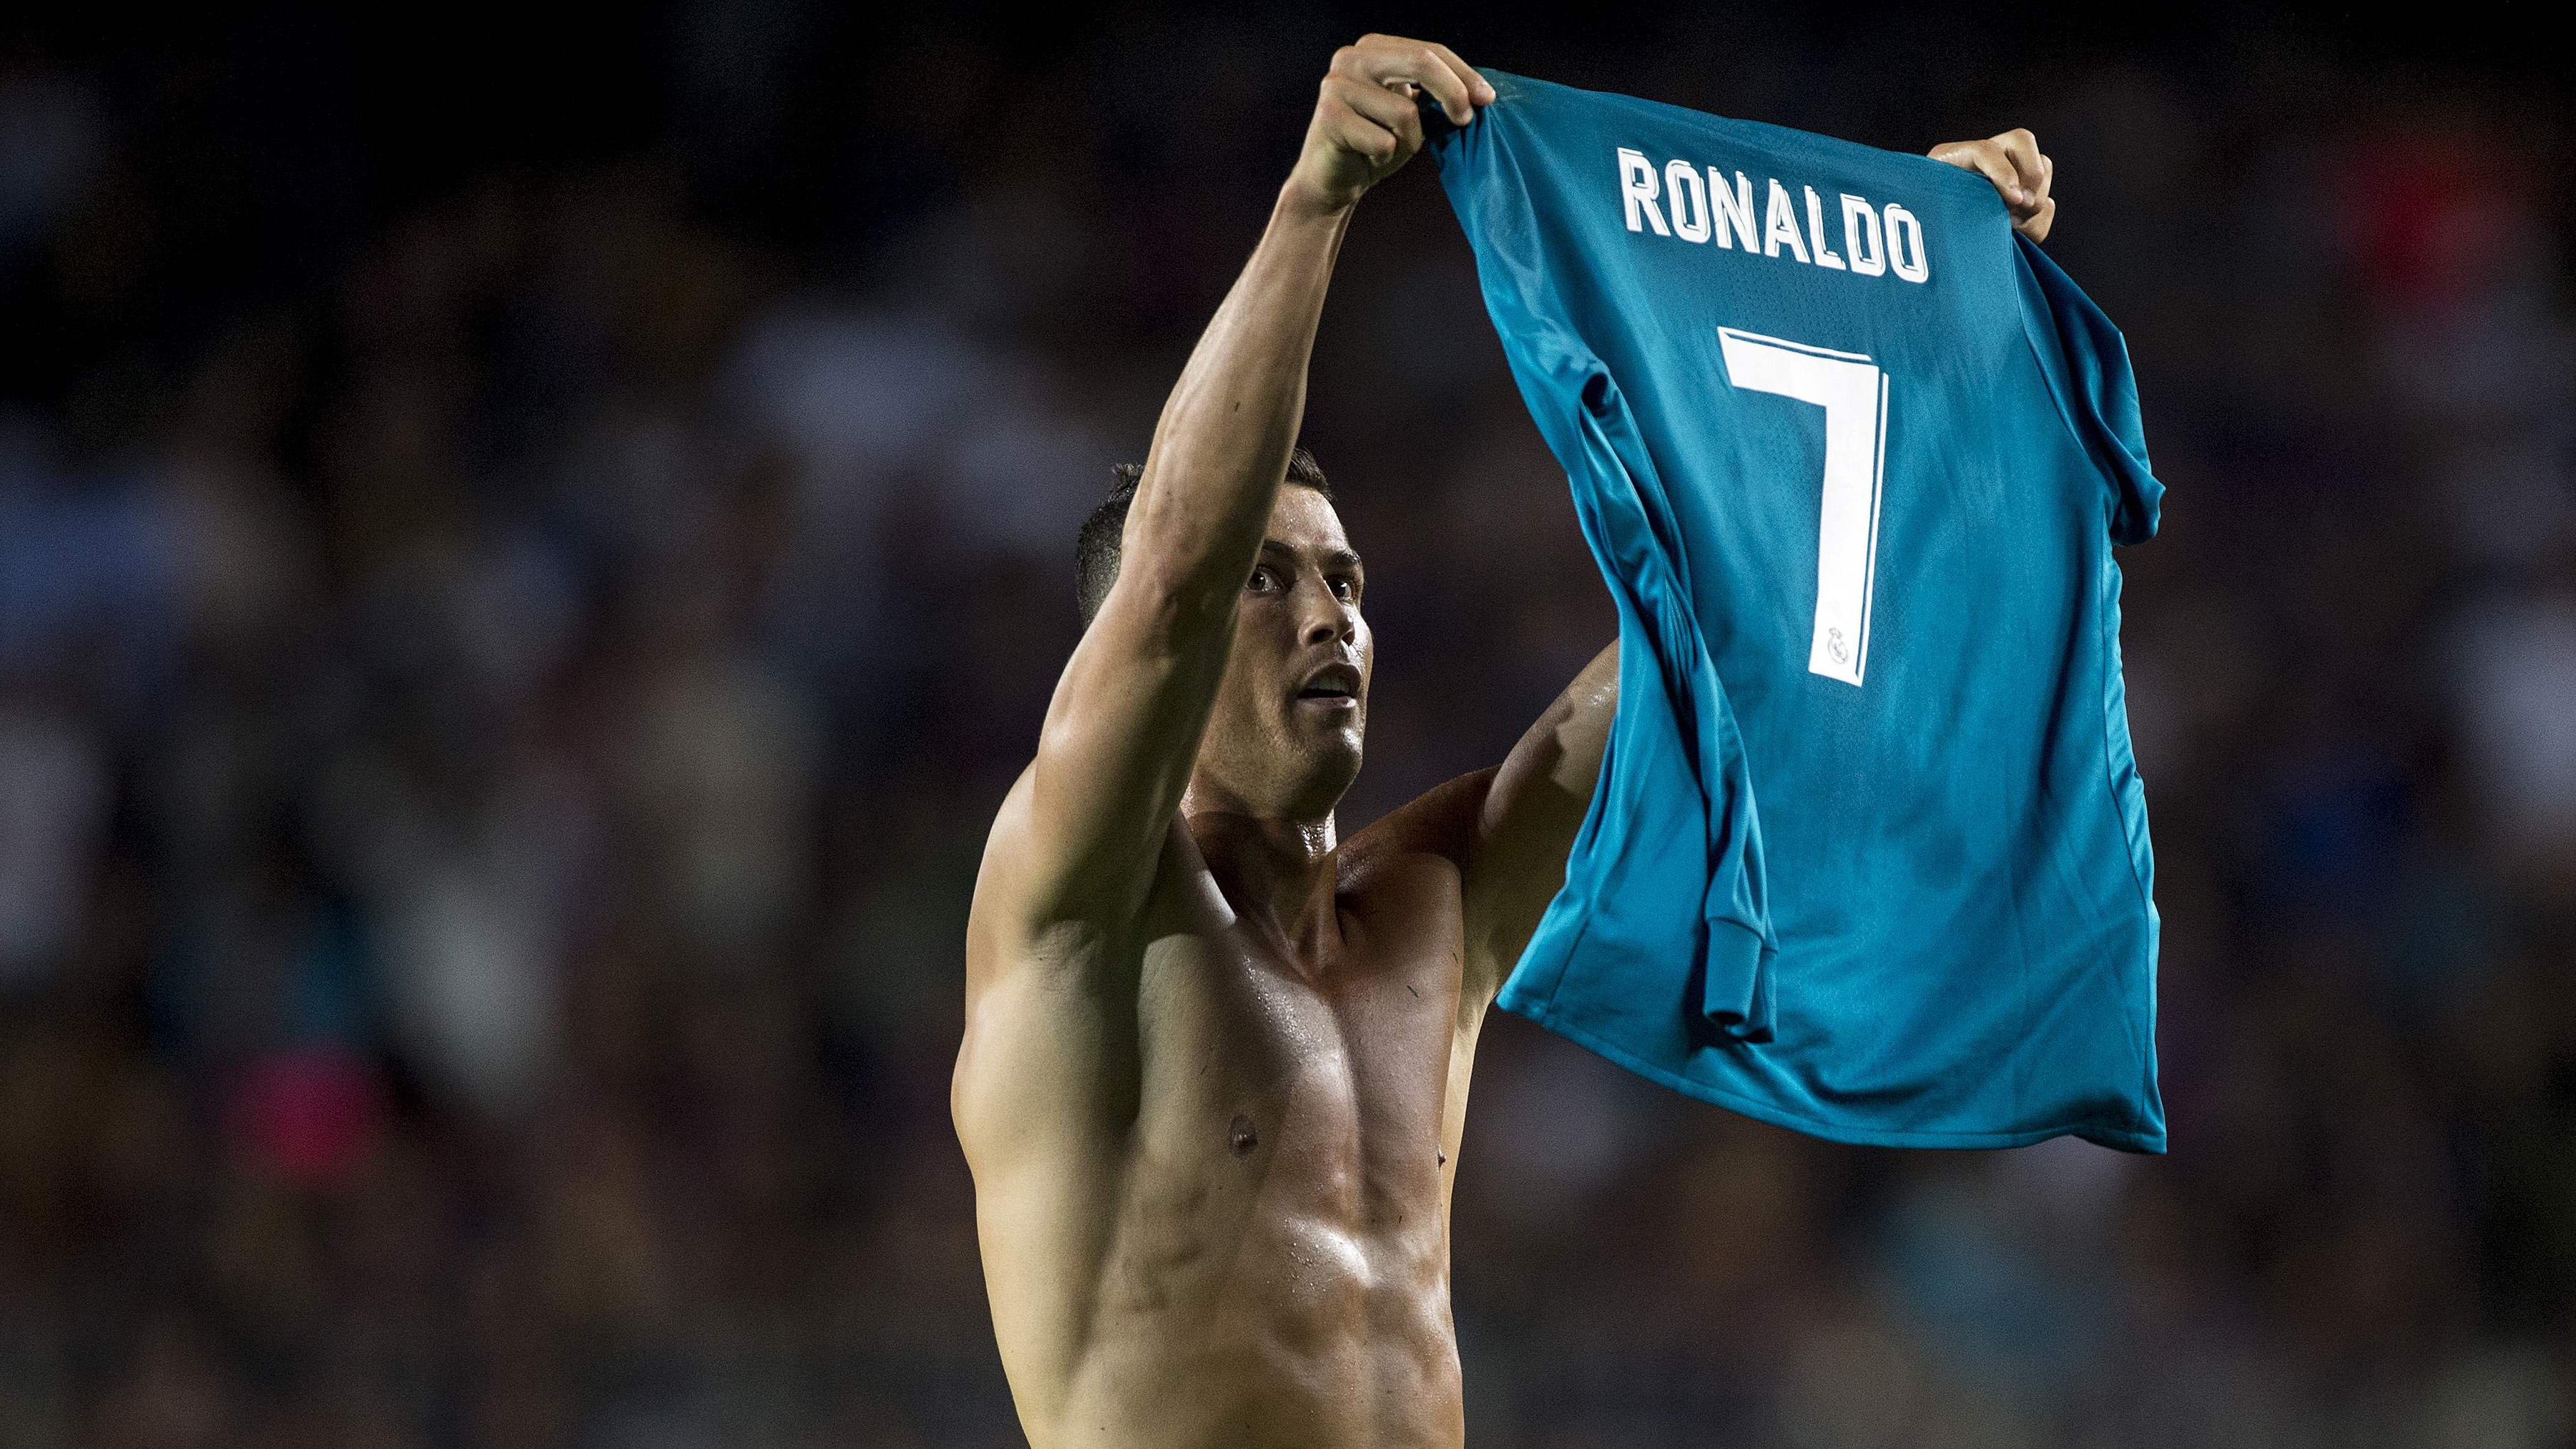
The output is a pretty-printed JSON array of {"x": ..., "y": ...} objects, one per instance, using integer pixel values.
[{"x": 1274, "y": 868}]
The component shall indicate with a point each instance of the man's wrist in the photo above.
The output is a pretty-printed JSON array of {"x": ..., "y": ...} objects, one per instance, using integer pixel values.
[{"x": 1304, "y": 201}]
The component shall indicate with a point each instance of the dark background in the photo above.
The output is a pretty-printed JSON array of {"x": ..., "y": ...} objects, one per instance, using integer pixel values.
[{"x": 531, "y": 544}]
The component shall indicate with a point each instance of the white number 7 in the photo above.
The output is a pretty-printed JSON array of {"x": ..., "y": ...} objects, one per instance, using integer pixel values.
[{"x": 1853, "y": 392}]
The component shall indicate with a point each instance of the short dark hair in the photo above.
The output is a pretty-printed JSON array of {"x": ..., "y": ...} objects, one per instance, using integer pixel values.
[{"x": 1095, "y": 549}]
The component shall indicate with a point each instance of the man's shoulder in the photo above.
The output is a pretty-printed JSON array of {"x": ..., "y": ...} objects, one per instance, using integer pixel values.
[
  {"x": 1439, "y": 823},
  {"x": 1013, "y": 915}
]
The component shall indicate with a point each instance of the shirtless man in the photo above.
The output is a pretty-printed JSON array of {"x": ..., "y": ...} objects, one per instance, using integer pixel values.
[{"x": 1216, "y": 1056}]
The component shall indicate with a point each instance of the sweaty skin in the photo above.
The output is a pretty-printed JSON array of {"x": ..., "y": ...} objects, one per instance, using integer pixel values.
[{"x": 1216, "y": 1057}]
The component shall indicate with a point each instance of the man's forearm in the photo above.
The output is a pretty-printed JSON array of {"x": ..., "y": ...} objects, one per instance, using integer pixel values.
[{"x": 1222, "y": 444}]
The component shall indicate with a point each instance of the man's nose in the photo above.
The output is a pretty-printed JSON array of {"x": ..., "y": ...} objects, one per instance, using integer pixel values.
[{"x": 1328, "y": 619}]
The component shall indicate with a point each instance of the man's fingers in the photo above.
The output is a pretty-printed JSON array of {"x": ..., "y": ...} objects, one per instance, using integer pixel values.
[
  {"x": 1386, "y": 124},
  {"x": 2036, "y": 225},
  {"x": 1347, "y": 127},
  {"x": 1479, "y": 90},
  {"x": 1368, "y": 118},
  {"x": 1385, "y": 59},
  {"x": 2022, "y": 148},
  {"x": 2017, "y": 167},
  {"x": 1987, "y": 160}
]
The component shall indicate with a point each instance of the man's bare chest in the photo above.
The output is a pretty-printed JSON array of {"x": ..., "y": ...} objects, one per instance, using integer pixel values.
[{"x": 1332, "y": 1067}]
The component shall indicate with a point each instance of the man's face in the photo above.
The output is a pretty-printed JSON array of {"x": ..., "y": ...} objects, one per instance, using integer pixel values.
[{"x": 1285, "y": 733}]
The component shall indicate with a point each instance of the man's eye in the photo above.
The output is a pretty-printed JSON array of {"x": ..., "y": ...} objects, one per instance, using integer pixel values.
[
  {"x": 1261, "y": 580},
  {"x": 1345, "y": 590}
]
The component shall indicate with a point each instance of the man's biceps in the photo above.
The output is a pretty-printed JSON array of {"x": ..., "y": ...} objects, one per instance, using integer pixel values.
[
  {"x": 1532, "y": 789},
  {"x": 1079, "y": 809}
]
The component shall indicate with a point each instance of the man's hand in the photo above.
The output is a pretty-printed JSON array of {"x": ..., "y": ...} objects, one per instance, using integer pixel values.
[
  {"x": 2013, "y": 163},
  {"x": 1365, "y": 125}
]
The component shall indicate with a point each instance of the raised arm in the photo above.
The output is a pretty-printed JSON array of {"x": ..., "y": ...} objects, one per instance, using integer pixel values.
[
  {"x": 1079, "y": 836},
  {"x": 1526, "y": 817}
]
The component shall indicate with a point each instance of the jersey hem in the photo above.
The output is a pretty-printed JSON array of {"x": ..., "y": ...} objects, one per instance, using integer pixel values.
[{"x": 2122, "y": 1139}]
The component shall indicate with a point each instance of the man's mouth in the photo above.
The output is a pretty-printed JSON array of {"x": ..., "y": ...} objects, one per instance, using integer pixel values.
[{"x": 1335, "y": 686}]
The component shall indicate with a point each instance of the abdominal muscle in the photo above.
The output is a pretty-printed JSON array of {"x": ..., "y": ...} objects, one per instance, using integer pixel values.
[
  {"x": 1264, "y": 1269},
  {"x": 1268, "y": 1328}
]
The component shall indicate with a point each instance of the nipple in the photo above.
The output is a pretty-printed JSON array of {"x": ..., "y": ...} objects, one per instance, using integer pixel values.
[{"x": 1240, "y": 1139}]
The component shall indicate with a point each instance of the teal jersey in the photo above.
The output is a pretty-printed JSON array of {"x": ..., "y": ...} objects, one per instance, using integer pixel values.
[{"x": 1868, "y": 856}]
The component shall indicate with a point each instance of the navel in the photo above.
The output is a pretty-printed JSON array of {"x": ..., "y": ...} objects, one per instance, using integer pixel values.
[{"x": 1240, "y": 1139}]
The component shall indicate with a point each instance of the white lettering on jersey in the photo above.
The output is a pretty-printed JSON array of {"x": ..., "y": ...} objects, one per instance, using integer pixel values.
[
  {"x": 1690, "y": 200},
  {"x": 1905, "y": 244},
  {"x": 1862, "y": 239},
  {"x": 1734, "y": 207},
  {"x": 1781, "y": 225},
  {"x": 1877, "y": 240},
  {"x": 1637, "y": 188},
  {"x": 1825, "y": 256}
]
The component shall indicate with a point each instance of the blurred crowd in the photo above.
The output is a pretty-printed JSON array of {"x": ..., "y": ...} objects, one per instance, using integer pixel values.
[{"x": 504, "y": 673}]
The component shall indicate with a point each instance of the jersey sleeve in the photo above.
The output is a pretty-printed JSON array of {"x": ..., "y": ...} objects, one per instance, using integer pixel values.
[{"x": 2087, "y": 363}]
